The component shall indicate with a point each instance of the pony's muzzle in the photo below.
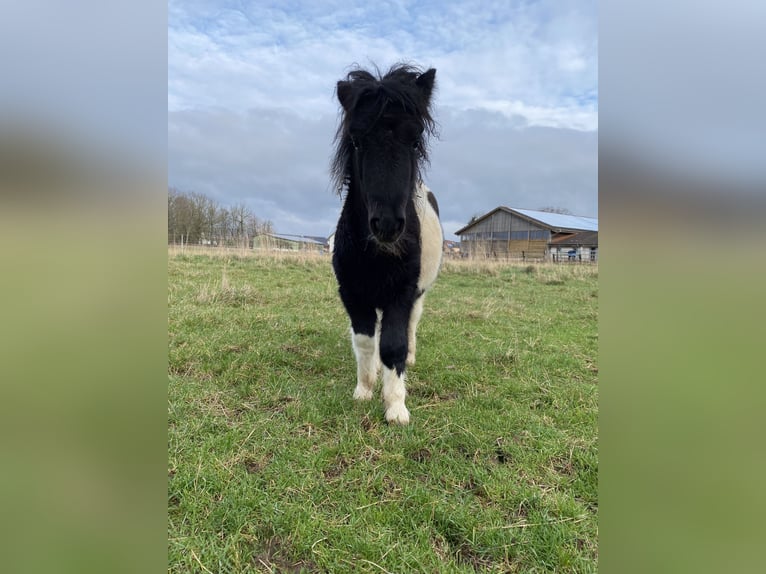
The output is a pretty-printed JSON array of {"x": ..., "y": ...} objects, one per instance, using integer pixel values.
[{"x": 387, "y": 229}]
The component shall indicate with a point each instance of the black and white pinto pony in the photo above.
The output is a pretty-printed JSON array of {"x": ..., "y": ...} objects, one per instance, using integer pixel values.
[{"x": 388, "y": 242}]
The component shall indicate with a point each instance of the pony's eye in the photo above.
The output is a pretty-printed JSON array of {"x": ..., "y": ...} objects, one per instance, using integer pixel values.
[
  {"x": 409, "y": 133},
  {"x": 354, "y": 142}
]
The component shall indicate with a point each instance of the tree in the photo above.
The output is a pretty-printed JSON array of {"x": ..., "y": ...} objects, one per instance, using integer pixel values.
[
  {"x": 181, "y": 215},
  {"x": 475, "y": 217},
  {"x": 194, "y": 218},
  {"x": 240, "y": 217}
]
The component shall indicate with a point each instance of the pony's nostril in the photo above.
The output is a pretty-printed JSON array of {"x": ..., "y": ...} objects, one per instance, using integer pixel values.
[
  {"x": 399, "y": 224},
  {"x": 375, "y": 225}
]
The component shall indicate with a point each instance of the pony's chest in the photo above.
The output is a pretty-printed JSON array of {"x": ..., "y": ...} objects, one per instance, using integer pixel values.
[{"x": 380, "y": 277}]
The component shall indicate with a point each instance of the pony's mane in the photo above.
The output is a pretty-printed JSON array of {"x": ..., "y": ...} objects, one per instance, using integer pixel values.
[{"x": 397, "y": 86}]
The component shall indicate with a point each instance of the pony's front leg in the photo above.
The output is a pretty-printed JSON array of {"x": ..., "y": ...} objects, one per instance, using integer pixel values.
[
  {"x": 364, "y": 340},
  {"x": 412, "y": 329},
  {"x": 393, "y": 354}
]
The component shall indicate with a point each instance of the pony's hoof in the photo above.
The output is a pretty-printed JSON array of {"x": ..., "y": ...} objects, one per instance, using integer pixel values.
[
  {"x": 410, "y": 359},
  {"x": 398, "y": 414},
  {"x": 362, "y": 394}
]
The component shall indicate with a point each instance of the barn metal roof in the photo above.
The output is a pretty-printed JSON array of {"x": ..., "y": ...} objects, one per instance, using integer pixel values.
[
  {"x": 298, "y": 238},
  {"x": 554, "y": 221},
  {"x": 561, "y": 221}
]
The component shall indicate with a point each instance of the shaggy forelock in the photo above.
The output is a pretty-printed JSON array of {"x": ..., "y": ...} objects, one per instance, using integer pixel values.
[{"x": 396, "y": 86}]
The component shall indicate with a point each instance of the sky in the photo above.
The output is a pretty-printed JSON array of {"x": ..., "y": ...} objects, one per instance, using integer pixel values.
[{"x": 252, "y": 110}]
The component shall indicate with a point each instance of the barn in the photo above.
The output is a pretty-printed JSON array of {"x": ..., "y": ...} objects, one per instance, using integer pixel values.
[
  {"x": 526, "y": 234},
  {"x": 581, "y": 246},
  {"x": 288, "y": 242}
]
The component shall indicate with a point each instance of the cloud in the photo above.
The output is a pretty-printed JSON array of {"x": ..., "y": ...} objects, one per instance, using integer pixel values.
[
  {"x": 540, "y": 57},
  {"x": 277, "y": 162},
  {"x": 484, "y": 160},
  {"x": 252, "y": 110}
]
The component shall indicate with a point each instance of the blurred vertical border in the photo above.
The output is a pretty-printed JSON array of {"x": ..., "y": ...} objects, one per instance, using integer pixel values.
[
  {"x": 682, "y": 195},
  {"x": 83, "y": 138},
  {"x": 83, "y": 135}
]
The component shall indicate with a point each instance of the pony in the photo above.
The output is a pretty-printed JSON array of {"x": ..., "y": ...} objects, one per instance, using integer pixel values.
[{"x": 388, "y": 242}]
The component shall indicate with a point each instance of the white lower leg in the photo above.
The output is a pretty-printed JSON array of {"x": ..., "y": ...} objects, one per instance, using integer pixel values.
[
  {"x": 394, "y": 393},
  {"x": 366, "y": 352},
  {"x": 412, "y": 329}
]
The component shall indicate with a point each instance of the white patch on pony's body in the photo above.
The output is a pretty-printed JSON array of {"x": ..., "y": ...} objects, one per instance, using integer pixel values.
[
  {"x": 394, "y": 393},
  {"x": 431, "y": 249},
  {"x": 431, "y": 238}
]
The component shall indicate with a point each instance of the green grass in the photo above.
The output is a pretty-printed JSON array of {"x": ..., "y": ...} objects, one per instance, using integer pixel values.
[{"x": 274, "y": 468}]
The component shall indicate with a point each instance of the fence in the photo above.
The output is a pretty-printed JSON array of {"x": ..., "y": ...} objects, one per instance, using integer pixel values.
[
  {"x": 276, "y": 246},
  {"x": 527, "y": 252}
]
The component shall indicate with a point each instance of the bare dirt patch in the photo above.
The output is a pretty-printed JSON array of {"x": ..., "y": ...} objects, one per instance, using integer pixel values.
[
  {"x": 337, "y": 468},
  {"x": 256, "y": 466},
  {"x": 420, "y": 455},
  {"x": 276, "y": 557}
]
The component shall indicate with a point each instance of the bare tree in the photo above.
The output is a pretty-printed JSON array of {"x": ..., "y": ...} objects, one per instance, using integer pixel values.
[
  {"x": 253, "y": 226},
  {"x": 195, "y": 218},
  {"x": 241, "y": 217},
  {"x": 173, "y": 225},
  {"x": 208, "y": 213},
  {"x": 181, "y": 225},
  {"x": 221, "y": 225}
]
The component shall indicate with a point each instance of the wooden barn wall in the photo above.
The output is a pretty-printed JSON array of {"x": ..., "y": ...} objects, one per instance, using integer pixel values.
[
  {"x": 503, "y": 221},
  {"x": 481, "y": 240},
  {"x": 513, "y": 249}
]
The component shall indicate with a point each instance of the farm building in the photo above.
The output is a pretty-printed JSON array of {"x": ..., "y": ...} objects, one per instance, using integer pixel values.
[
  {"x": 581, "y": 246},
  {"x": 287, "y": 242},
  {"x": 451, "y": 248},
  {"x": 510, "y": 233}
]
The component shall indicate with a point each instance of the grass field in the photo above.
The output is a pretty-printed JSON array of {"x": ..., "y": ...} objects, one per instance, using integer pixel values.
[{"x": 272, "y": 467}]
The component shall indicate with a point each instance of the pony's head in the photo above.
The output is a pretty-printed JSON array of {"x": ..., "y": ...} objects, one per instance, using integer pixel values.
[{"x": 382, "y": 142}]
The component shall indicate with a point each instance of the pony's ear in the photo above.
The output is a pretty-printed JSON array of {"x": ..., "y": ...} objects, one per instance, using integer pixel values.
[
  {"x": 344, "y": 91},
  {"x": 425, "y": 82}
]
